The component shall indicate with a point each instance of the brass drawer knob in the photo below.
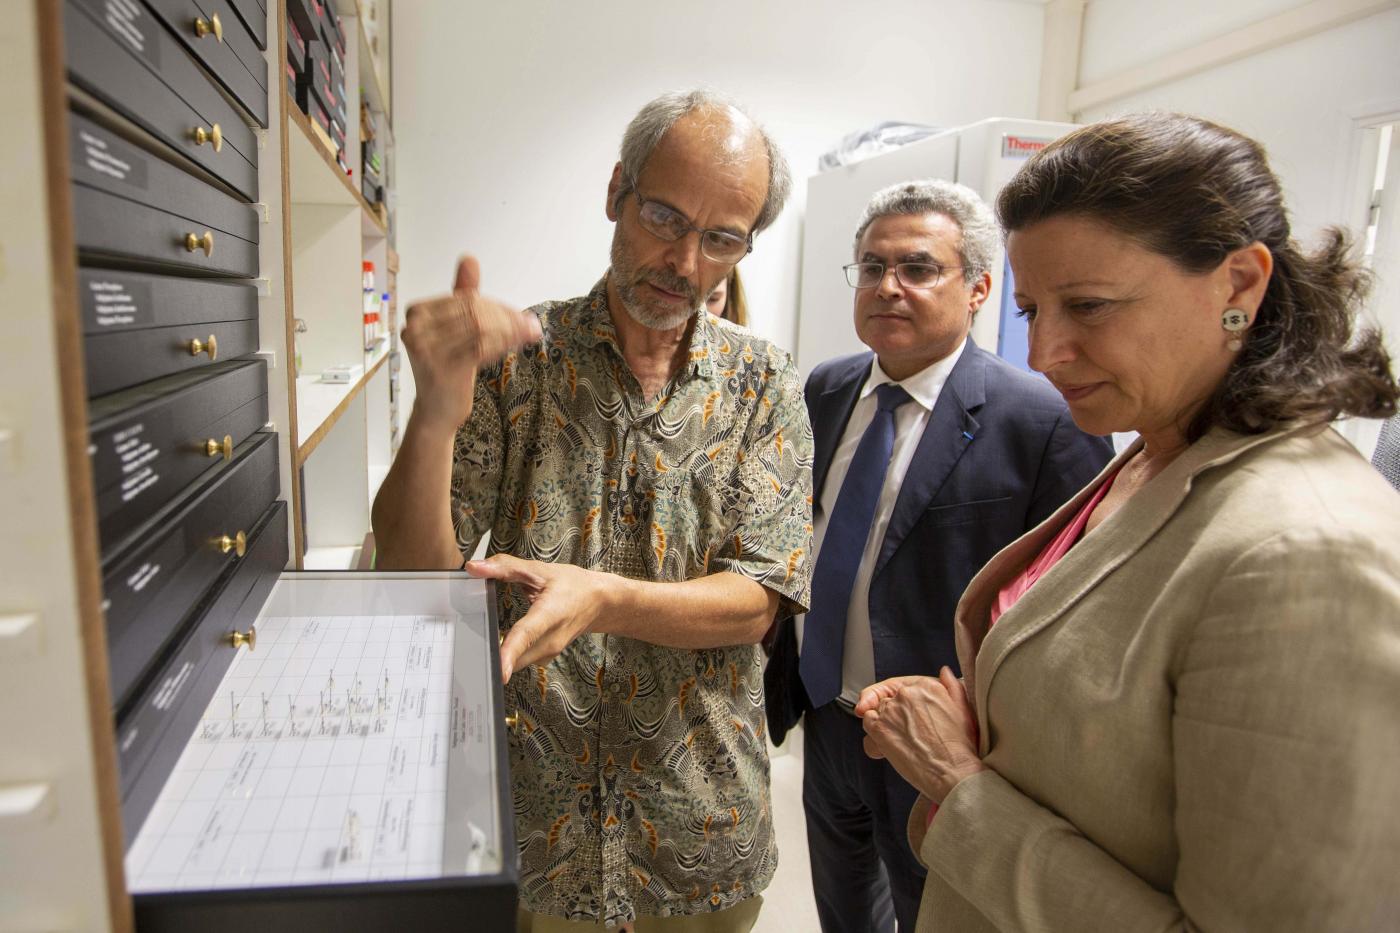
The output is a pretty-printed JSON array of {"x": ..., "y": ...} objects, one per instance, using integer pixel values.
[
  {"x": 194, "y": 243},
  {"x": 513, "y": 722},
  {"x": 238, "y": 543},
  {"x": 210, "y": 346},
  {"x": 239, "y": 639},
  {"x": 214, "y": 136},
  {"x": 213, "y": 447},
  {"x": 203, "y": 27}
]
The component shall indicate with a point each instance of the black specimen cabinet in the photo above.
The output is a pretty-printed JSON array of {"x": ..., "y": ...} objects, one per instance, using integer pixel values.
[{"x": 294, "y": 752}]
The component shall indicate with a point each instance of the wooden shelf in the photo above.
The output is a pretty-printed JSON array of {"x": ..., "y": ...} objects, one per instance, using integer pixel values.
[
  {"x": 322, "y": 403},
  {"x": 315, "y": 176},
  {"x": 331, "y": 558}
]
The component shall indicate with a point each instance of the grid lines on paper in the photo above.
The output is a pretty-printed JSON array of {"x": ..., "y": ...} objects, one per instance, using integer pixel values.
[{"x": 322, "y": 758}]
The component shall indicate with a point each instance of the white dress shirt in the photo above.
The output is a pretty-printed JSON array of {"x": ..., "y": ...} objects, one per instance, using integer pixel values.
[{"x": 910, "y": 419}]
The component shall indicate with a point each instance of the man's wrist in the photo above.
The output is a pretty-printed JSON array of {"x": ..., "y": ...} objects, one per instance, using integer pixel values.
[
  {"x": 612, "y": 593},
  {"x": 430, "y": 425}
]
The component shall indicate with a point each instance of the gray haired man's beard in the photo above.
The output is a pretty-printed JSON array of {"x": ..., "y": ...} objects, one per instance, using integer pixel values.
[{"x": 645, "y": 310}]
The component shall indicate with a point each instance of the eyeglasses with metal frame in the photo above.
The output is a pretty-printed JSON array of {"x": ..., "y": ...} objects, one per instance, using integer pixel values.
[
  {"x": 670, "y": 225},
  {"x": 909, "y": 274}
]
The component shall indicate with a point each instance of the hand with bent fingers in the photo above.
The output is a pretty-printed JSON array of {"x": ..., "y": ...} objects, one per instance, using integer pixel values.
[
  {"x": 565, "y": 602},
  {"x": 450, "y": 337},
  {"x": 925, "y": 728}
]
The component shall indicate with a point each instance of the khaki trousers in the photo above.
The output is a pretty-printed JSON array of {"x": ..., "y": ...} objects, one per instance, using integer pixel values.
[{"x": 737, "y": 919}]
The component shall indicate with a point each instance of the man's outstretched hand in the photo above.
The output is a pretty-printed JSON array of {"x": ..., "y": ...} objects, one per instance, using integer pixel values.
[{"x": 565, "y": 602}]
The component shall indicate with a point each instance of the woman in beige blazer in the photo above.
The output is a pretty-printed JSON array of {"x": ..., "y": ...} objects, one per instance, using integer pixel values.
[{"x": 1191, "y": 721}]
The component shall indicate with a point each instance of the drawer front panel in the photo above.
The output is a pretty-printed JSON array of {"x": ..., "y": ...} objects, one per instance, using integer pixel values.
[
  {"x": 168, "y": 564},
  {"x": 103, "y": 160},
  {"x": 154, "y": 731},
  {"x": 245, "y": 45},
  {"x": 106, "y": 225},
  {"x": 254, "y": 17},
  {"x": 192, "y": 25},
  {"x": 168, "y": 412},
  {"x": 117, "y": 301},
  {"x": 119, "y": 52},
  {"x": 144, "y": 458},
  {"x": 121, "y": 360}
]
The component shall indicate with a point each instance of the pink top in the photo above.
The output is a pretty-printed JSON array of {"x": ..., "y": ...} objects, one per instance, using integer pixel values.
[
  {"x": 1057, "y": 548},
  {"x": 1048, "y": 557}
]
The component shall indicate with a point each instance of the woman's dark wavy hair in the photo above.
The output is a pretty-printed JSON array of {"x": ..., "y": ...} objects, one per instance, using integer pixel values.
[{"x": 1194, "y": 192}]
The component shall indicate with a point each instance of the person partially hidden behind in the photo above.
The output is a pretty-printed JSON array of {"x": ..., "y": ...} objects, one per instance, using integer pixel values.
[
  {"x": 729, "y": 301},
  {"x": 931, "y": 455},
  {"x": 1180, "y": 704},
  {"x": 643, "y": 471}
]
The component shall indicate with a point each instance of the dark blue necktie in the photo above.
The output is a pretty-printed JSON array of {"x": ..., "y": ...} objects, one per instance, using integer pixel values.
[{"x": 824, "y": 631}]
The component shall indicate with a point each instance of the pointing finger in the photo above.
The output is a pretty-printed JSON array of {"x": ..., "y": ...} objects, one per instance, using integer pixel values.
[
  {"x": 506, "y": 568},
  {"x": 468, "y": 277}
]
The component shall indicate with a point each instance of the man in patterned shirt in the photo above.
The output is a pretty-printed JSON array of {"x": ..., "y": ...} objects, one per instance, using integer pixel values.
[{"x": 643, "y": 471}]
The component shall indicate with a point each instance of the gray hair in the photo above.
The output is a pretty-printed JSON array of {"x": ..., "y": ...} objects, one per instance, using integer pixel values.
[
  {"x": 959, "y": 203},
  {"x": 654, "y": 120}
]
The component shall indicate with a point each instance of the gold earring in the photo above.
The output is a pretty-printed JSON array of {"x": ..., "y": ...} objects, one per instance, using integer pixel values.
[{"x": 1234, "y": 321}]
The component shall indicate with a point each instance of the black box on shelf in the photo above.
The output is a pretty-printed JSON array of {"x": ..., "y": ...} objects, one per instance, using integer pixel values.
[
  {"x": 318, "y": 76},
  {"x": 302, "y": 13},
  {"x": 316, "y": 69},
  {"x": 330, "y": 22},
  {"x": 335, "y": 51},
  {"x": 308, "y": 99},
  {"x": 374, "y": 193},
  {"x": 335, "y": 95},
  {"x": 319, "y": 116},
  {"x": 337, "y": 68},
  {"x": 296, "y": 47}
]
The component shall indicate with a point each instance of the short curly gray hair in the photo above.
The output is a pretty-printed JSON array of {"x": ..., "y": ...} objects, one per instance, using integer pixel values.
[
  {"x": 980, "y": 234},
  {"x": 655, "y": 119}
]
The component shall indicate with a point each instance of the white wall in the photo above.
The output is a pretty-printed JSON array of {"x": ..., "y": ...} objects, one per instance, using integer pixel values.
[
  {"x": 1308, "y": 101},
  {"x": 508, "y": 116},
  {"x": 1123, "y": 34},
  {"x": 1302, "y": 99}
]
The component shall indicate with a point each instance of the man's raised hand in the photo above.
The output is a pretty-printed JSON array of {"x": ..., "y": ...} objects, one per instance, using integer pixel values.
[{"x": 450, "y": 337}]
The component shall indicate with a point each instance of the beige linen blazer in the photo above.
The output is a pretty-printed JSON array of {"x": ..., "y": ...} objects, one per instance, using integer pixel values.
[{"x": 1193, "y": 720}]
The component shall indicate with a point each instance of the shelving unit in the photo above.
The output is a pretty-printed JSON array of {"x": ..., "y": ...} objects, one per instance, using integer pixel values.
[
  {"x": 344, "y": 431},
  {"x": 315, "y": 176}
]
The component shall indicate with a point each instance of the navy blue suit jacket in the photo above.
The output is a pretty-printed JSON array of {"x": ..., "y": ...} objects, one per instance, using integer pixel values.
[{"x": 998, "y": 455}]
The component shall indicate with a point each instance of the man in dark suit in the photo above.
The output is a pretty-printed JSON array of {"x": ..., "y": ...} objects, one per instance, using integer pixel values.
[{"x": 931, "y": 455}]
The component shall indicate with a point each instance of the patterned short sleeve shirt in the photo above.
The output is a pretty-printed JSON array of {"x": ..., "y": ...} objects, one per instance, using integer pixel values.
[{"x": 640, "y": 772}]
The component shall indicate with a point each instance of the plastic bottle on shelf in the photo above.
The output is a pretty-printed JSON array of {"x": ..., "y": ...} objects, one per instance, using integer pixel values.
[
  {"x": 371, "y": 299},
  {"x": 384, "y": 315}
]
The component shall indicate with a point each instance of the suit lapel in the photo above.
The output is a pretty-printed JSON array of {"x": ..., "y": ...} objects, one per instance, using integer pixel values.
[
  {"x": 1096, "y": 556},
  {"x": 947, "y": 435},
  {"x": 829, "y": 416}
]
